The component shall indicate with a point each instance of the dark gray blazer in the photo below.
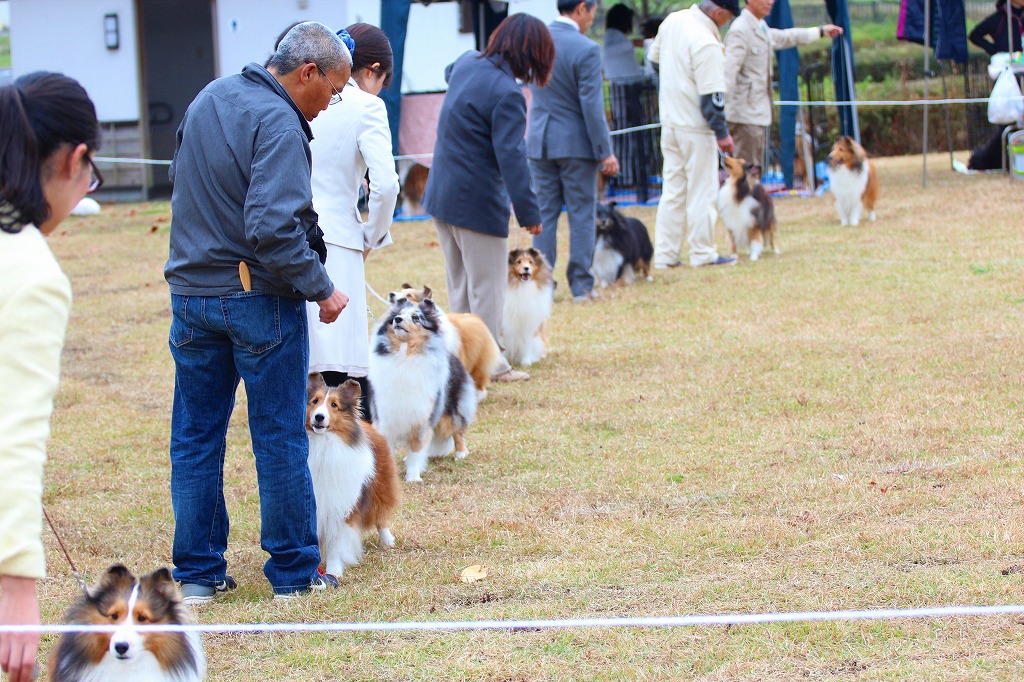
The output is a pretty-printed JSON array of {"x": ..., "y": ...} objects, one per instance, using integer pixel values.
[
  {"x": 567, "y": 118},
  {"x": 480, "y": 153}
]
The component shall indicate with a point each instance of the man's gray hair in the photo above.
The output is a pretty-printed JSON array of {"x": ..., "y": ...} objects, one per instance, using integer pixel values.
[{"x": 307, "y": 42}]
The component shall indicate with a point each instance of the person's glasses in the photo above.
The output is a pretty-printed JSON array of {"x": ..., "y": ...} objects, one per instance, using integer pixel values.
[
  {"x": 336, "y": 97},
  {"x": 95, "y": 180}
]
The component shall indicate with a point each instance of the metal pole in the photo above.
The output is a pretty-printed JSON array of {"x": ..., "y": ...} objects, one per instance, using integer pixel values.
[
  {"x": 848, "y": 53},
  {"x": 927, "y": 46}
]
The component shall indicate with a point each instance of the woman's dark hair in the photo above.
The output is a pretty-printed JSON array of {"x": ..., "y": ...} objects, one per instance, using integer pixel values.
[
  {"x": 40, "y": 113},
  {"x": 372, "y": 46},
  {"x": 620, "y": 17},
  {"x": 524, "y": 43}
]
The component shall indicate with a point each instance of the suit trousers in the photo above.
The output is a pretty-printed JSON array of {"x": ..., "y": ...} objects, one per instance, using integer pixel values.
[
  {"x": 688, "y": 195},
  {"x": 572, "y": 183},
  {"x": 748, "y": 143},
  {"x": 476, "y": 271}
]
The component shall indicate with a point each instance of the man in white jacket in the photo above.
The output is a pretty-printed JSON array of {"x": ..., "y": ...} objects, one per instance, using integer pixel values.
[{"x": 748, "y": 56}]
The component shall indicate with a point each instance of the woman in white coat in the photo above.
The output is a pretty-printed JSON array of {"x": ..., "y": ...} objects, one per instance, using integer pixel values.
[{"x": 350, "y": 140}]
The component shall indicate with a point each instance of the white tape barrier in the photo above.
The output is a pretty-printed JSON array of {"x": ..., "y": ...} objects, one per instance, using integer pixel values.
[
  {"x": 638, "y": 622},
  {"x": 653, "y": 126}
]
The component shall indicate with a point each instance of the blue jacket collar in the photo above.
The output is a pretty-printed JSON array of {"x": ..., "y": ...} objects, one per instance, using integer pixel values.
[{"x": 257, "y": 74}]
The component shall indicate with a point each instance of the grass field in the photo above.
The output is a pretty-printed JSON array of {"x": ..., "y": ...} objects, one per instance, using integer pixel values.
[
  {"x": 838, "y": 427},
  {"x": 5, "y": 50}
]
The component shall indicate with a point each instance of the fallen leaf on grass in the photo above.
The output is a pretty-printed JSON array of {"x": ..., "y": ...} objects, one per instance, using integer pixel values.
[{"x": 471, "y": 574}]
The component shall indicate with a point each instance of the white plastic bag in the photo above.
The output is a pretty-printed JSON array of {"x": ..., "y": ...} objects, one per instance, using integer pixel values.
[{"x": 1006, "y": 104}]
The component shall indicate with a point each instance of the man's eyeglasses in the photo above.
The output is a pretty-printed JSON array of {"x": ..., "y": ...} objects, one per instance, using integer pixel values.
[
  {"x": 96, "y": 180},
  {"x": 336, "y": 97}
]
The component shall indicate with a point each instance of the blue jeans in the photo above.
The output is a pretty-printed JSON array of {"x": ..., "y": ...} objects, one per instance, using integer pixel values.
[{"x": 215, "y": 341}]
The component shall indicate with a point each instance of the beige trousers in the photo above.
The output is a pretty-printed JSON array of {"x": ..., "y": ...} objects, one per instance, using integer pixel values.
[
  {"x": 476, "y": 271},
  {"x": 688, "y": 194},
  {"x": 748, "y": 143}
]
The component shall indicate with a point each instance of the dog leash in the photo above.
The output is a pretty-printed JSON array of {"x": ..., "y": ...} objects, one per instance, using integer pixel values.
[{"x": 74, "y": 571}]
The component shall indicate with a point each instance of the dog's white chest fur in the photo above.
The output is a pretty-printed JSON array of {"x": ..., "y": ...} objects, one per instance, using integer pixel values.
[
  {"x": 848, "y": 187},
  {"x": 339, "y": 472},
  {"x": 607, "y": 262},
  {"x": 527, "y": 306},
  {"x": 407, "y": 388},
  {"x": 738, "y": 216}
]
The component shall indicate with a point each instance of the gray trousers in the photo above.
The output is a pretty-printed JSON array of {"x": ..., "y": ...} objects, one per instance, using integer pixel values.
[
  {"x": 476, "y": 271},
  {"x": 572, "y": 183}
]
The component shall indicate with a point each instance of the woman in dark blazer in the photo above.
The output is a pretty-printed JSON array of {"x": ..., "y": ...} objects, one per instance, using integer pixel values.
[{"x": 480, "y": 163}]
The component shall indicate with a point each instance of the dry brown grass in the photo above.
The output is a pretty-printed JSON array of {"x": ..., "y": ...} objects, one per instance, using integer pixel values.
[{"x": 835, "y": 428}]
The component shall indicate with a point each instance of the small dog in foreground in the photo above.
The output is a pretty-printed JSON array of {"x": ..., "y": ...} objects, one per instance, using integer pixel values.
[
  {"x": 129, "y": 653},
  {"x": 852, "y": 180}
]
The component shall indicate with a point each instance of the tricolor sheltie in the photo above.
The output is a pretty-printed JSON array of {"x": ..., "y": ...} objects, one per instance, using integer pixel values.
[
  {"x": 528, "y": 301},
  {"x": 355, "y": 479},
  {"x": 853, "y": 181},
  {"x": 466, "y": 334},
  {"x": 746, "y": 209},
  {"x": 423, "y": 398},
  {"x": 622, "y": 249},
  {"x": 129, "y": 653}
]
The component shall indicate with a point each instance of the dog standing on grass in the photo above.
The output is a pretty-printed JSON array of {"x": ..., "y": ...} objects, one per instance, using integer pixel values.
[
  {"x": 423, "y": 398},
  {"x": 853, "y": 181},
  {"x": 355, "y": 479},
  {"x": 528, "y": 302},
  {"x": 747, "y": 210}
]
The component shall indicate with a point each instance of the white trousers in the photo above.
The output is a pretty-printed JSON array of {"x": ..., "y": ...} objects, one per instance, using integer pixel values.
[{"x": 688, "y": 193}]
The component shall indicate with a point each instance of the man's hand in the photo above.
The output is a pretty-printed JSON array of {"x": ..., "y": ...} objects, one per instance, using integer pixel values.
[
  {"x": 533, "y": 229},
  {"x": 831, "y": 30},
  {"x": 610, "y": 165},
  {"x": 725, "y": 144},
  {"x": 332, "y": 306},
  {"x": 18, "y": 606}
]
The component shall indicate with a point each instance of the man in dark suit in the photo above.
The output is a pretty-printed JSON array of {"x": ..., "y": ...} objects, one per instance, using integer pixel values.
[{"x": 568, "y": 142}]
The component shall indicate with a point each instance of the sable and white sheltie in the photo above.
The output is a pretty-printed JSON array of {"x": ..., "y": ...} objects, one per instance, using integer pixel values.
[
  {"x": 853, "y": 181},
  {"x": 466, "y": 335},
  {"x": 528, "y": 301},
  {"x": 423, "y": 399},
  {"x": 623, "y": 247},
  {"x": 747, "y": 210},
  {"x": 129, "y": 653},
  {"x": 355, "y": 479}
]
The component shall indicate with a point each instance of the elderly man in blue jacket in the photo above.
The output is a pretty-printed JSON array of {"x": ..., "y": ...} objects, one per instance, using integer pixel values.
[
  {"x": 568, "y": 142},
  {"x": 245, "y": 256}
]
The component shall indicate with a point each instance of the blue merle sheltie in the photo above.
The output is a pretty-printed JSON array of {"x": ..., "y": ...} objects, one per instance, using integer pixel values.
[{"x": 423, "y": 399}]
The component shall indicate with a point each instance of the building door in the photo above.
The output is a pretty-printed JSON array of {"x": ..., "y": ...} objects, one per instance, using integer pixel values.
[{"x": 177, "y": 62}]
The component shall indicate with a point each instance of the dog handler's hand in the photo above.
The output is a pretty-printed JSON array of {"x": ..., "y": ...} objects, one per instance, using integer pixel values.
[
  {"x": 610, "y": 165},
  {"x": 18, "y": 606},
  {"x": 332, "y": 306},
  {"x": 533, "y": 229},
  {"x": 725, "y": 144}
]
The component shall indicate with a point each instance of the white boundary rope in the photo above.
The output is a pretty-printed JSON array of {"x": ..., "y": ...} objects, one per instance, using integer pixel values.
[{"x": 635, "y": 622}]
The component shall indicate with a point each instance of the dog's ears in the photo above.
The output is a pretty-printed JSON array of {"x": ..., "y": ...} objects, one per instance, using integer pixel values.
[
  {"x": 536, "y": 255},
  {"x": 612, "y": 204},
  {"x": 116, "y": 575},
  {"x": 392, "y": 297},
  {"x": 512, "y": 255},
  {"x": 406, "y": 285},
  {"x": 315, "y": 382},
  {"x": 427, "y": 293},
  {"x": 350, "y": 391},
  {"x": 427, "y": 305}
]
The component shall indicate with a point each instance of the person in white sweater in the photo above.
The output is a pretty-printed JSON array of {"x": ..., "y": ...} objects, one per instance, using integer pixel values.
[
  {"x": 350, "y": 141},
  {"x": 50, "y": 133}
]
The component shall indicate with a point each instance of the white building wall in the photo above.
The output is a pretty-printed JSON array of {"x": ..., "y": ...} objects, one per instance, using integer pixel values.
[
  {"x": 245, "y": 31},
  {"x": 67, "y": 36},
  {"x": 433, "y": 42}
]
